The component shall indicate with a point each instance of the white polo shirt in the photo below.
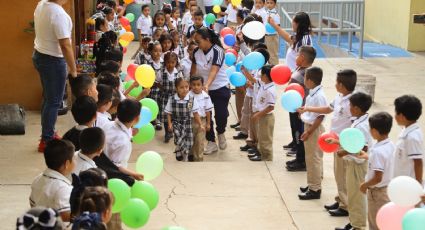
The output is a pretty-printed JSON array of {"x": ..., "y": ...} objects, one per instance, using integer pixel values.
[
  {"x": 118, "y": 144},
  {"x": 316, "y": 98},
  {"x": 170, "y": 76},
  {"x": 154, "y": 28},
  {"x": 341, "y": 118},
  {"x": 186, "y": 66},
  {"x": 51, "y": 23},
  {"x": 381, "y": 158},
  {"x": 204, "y": 103},
  {"x": 261, "y": 12},
  {"x": 266, "y": 97},
  {"x": 186, "y": 22},
  {"x": 103, "y": 120},
  {"x": 157, "y": 66},
  {"x": 169, "y": 107},
  {"x": 82, "y": 163},
  {"x": 231, "y": 13},
  {"x": 250, "y": 90},
  {"x": 409, "y": 147},
  {"x": 205, "y": 60},
  {"x": 273, "y": 14},
  {"x": 51, "y": 189},
  {"x": 362, "y": 124},
  {"x": 144, "y": 24}
]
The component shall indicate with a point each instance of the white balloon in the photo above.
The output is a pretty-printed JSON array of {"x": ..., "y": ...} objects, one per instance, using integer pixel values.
[
  {"x": 254, "y": 30},
  {"x": 405, "y": 191}
]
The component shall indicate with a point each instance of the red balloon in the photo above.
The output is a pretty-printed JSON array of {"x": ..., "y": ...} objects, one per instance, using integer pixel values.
[
  {"x": 326, "y": 147},
  {"x": 297, "y": 87},
  {"x": 124, "y": 50},
  {"x": 280, "y": 74},
  {"x": 124, "y": 21},
  {"x": 232, "y": 51},
  {"x": 131, "y": 70},
  {"x": 225, "y": 31}
]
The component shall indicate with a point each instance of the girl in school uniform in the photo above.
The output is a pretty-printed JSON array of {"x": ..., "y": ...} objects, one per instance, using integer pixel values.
[
  {"x": 155, "y": 50},
  {"x": 167, "y": 43},
  {"x": 159, "y": 22}
]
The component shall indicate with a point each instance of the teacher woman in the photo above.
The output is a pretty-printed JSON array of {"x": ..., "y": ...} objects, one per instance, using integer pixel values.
[
  {"x": 53, "y": 51},
  {"x": 208, "y": 61}
]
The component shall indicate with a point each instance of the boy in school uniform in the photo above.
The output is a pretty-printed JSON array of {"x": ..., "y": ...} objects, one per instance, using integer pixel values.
[
  {"x": 52, "y": 188},
  {"x": 341, "y": 119},
  {"x": 381, "y": 166},
  {"x": 198, "y": 22},
  {"x": 83, "y": 85},
  {"x": 313, "y": 128},
  {"x": 410, "y": 150},
  {"x": 144, "y": 23},
  {"x": 272, "y": 39},
  {"x": 92, "y": 141},
  {"x": 104, "y": 103}
]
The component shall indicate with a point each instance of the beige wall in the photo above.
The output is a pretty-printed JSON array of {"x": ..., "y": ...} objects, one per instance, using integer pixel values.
[{"x": 416, "y": 31}]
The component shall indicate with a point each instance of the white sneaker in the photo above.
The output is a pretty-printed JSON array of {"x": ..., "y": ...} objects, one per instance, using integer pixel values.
[
  {"x": 211, "y": 148},
  {"x": 222, "y": 141}
]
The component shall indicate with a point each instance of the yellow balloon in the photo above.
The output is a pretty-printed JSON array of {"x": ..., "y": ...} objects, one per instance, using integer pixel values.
[
  {"x": 217, "y": 9},
  {"x": 145, "y": 76},
  {"x": 124, "y": 43},
  {"x": 236, "y": 2},
  {"x": 127, "y": 36}
]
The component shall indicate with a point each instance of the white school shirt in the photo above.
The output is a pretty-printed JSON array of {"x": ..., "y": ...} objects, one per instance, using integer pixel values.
[
  {"x": 169, "y": 107},
  {"x": 51, "y": 23},
  {"x": 362, "y": 124},
  {"x": 144, "y": 24},
  {"x": 176, "y": 23},
  {"x": 170, "y": 76},
  {"x": 381, "y": 158},
  {"x": 249, "y": 90},
  {"x": 273, "y": 14},
  {"x": 208, "y": 2},
  {"x": 51, "y": 189},
  {"x": 255, "y": 89},
  {"x": 266, "y": 97},
  {"x": 103, "y": 120},
  {"x": 82, "y": 163},
  {"x": 204, "y": 103},
  {"x": 291, "y": 53},
  {"x": 118, "y": 144},
  {"x": 263, "y": 13},
  {"x": 186, "y": 21},
  {"x": 409, "y": 147},
  {"x": 157, "y": 67},
  {"x": 205, "y": 60},
  {"x": 154, "y": 28},
  {"x": 231, "y": 13},
  {"x": 186, "y": 65},
  {"x": 341, "y": 118},
  {"x": 315, "y": 98}
]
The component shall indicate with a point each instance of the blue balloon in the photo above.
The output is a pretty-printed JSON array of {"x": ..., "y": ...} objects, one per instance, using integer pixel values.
[
  {"x": 270, "y": 29},
  {"x": 229, "y": 59},
  {"x": 145, "y": 117},
  {"x": 253, "y": 61},
  {"x": 229, "y": 40},
  {"x": 352, "y": 140},
  {"x": 291, "y": 100},
  {"x": 230, "y": 70},
  {"x": 217, "y": 2},
  {"x": 237, "y": 79},
  {"x": 414, "y": 219},
  {"x": 238, "y": 66}
]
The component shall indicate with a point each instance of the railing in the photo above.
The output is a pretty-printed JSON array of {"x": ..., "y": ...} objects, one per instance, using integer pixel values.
[{"x": 329, "y": 17}]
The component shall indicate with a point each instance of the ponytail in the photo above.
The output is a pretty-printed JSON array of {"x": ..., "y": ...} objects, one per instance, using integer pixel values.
[
  {"x": 95, "y": 199},
  {"x": 210, "y": 35}
]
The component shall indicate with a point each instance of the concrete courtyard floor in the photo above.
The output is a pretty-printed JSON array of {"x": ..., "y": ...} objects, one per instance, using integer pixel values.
[{"x": 226, "y": 191}]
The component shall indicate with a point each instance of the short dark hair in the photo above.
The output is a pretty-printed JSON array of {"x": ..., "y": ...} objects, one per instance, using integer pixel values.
[
  {"x": 266, "y": 71},
  {"x": 105, "y": 94},
  {"x": 198, "y": 13},
  {"x": 57, "y": 152},
  {"x": 309, "y": 53},
  {"x": 196, "y": 78},
  {"x": 114, "y": 55},
  {"x": 109, "y": 65},
  {"x": 92, "y": 140},
  {"x": 107, "y": 78},
  {"x": 128, "y": 110},
  {"x": 259, "y": 45},
  {"x": 265, "y": 54},
  {"x": 80, "y": 85},
  {"x": 144, "y": 6},
  {"x": 409, "y": 106},
  {"x": 361, "y": 100},
  {"x": 146, "y": 39},
  {"x": 111, "y": 3},
  {"x": 315, "y": 74},
  {"x": 178, "y": 81},
  {"x": 84, "y": 109},
  {"x": 348, "y": 78},
  {"x": 382, "y": 122}
]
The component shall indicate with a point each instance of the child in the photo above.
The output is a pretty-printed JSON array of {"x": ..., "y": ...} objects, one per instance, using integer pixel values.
[
  {"x": 205, "y": 109},
  {"x": 264, "y": 116},
  {"x": 272, "y": 40},
  {"x": 92, "y": 141},
  {"x": 101, "y": 26},
  {"x": 144, "y": 23},
  {"x": 187, "y": 20},
  {"x": 186, "y": 62},
  {"x": 84, "y": 112},
  {"x": 155, "y": 50},
  {"x": 220, "y": 21},
  {"x": 260, "y": 10},
  {"x": 179, "y": 109},
  {"x": 178, "y": 48},
  {"x": 112, "y": 80},
  {"x": 157, "y": 34},
  {"x": 231, "y": 15},
  {"x": 345, "y": 85},
  {"x": 142, "y": 55},
  {"x": 198, "y": 22},
  {"x": 103, "y": 118},
  {"x": 410, "y": 150},
  {"x": 167, "y": 43},
  {"x": 83, "y": 85},
  {"x": 118, "y": 137},
  {"x": 41, "y": 218},
  {"x": 381, "y": 166},
  {"x": 52, "y": 188},
  {"x": 159, "y": 21},
  {"x": 176, "y": 20}
]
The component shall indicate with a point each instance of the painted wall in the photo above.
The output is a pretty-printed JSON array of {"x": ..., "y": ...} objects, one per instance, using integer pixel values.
[{"x": 416, "y": 31}]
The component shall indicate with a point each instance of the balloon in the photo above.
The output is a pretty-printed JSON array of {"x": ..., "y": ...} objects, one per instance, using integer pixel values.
[
  {"x": 390, "y": 216},
  {"x": 124, "y": 43},
  {"x": 404, "y": 191},
  {"x": 131, "y": 70},
  {"x": 150, "y": 164},
  {"x": 326, "y": 147},
  {"x": 135, "y": 214},
  {"x": 152, "y": 105},
  {"x": 229, "y": 59},
  {"x": 352, "y": 140},
  {"x": 128, "y": 1},
  {"x": 414, "y": 219},
  {"x": 217, "y": 2},
  {"x": 291, "y": 100},
  {"x": 122, "y": 76},
  {"x": 124, "y": 50},
  {"x": 146, "y": 134},
  {"x": 230, "y": 70},
  {"x": 237, "y": 79},
  {"x": 173, "y": 228},
  {"x": 229, "y": 40},
  {"x": 127, "y": 36},
  {"x": 253, "y": 60},
  {"x": 210, "y": 18},
  {"x": 124, "y": 21},
  {"x": 136, "y": 91},
  {"x": 145, "y": 117},
  {"x": 254, "y": 30},
  {"x": 270, "y": 29},
  {"x": 121, "y": 192},
  {"x": 225, "y": 31},
  {"x": 280, "y": 74},
  {"x": 121, "y": 32},
  {"x": 127, "y": 28},
  {"x": 216, "y": 9},
  {"x": 130, "y": 17},
  {"x": 236, "y": 2},
  {"x": 146, "y": 192},
  {"x": 238, "y": 66},
  {"x": 297, "y": 87},
  {"x": 232, "y": 51},
  {"x": 145, "y": 75}
]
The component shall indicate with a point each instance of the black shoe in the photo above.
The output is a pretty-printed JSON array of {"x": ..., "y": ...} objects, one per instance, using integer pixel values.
[
  {"x": 255, "y": 158},
  {"x": 296, "y": 167},
  {"x": 253, "y": 153},
  {"x": 310, "y": 195},
  {"x": 235, "y": 125},
  {"x": 179, "y": 158},
  {"x": 190, "y": 158},
  {"x": 252, "y": 149},
  {"x": 346, "y": 227},
  {"x": 240, "y": 136},
  {"x": 304, "y": 189},
  {"x": 291, "y": 153},
  {"x": 167, "y": 137},
  {"x": 338, "y": 212},
  {"x": 291, "y": 162},
  {"x": 289, "y": 146},
  {"x": 332, "y": 206},
  {"x": 245, "y": 147},
  {"x": 158, "y": 127}
]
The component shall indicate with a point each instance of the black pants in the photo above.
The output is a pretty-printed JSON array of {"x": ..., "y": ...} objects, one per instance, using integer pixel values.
[
  {"x": 220, "y": 99},
  {"x": 297, "y": 127}
]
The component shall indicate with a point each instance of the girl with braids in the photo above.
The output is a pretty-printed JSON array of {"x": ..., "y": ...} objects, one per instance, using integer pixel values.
[{"x": 106, "y": 43}]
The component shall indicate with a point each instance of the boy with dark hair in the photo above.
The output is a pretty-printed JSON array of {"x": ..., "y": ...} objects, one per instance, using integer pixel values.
[
  {"x": 92, "y": 141},
  {"x": 52, "y": 188},
  {"x": 103, "y": 105},
  {"x": 410, "y": 148},
  {"x": 83, "y": 85},
  {"x": 198, "y": 22},
  {"x": 84, "y": 113},
  {"x": 144, "y": 23},
  {"x": 115, "y": 55}
]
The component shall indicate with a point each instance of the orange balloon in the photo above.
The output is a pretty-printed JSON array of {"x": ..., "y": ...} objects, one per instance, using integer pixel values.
[
  {"x": 127, "y": 36},
  {"x": 128, "y": 1},
  {"x": 127, "y": 28}
]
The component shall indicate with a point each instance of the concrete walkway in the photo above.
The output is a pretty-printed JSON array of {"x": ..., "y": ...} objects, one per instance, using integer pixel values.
[{"x": 227, "y": 191}]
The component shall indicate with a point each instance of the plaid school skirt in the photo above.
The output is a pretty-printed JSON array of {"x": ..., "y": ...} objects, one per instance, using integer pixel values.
[
  {"x": 155, "y": 95},
  {"x": 183, "y": 136}
]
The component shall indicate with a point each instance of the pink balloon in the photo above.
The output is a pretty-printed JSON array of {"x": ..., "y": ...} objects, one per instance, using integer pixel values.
[{"x": 390, "y": 216}]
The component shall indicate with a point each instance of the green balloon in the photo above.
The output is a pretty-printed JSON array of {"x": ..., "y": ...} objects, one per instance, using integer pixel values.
[
  {"x": 146, "y": 133},
  {"x": 150, "y": 164},
  {"x": 146, "y": 192},
  {"x": 210, "y": 18},
  {"x": 135, "y": 214},
  {"x": 130, "y": 17},
  {"x": 414, "y": 219},
  {"x": 352, "y": 140},
  {"x": 121, "y": 192},
  {"x": 127, "y": 84},
  {"x": 136, "y": 91},
  {"x": 152, "y": 105},
  {"x": 173, "y": 228}
]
